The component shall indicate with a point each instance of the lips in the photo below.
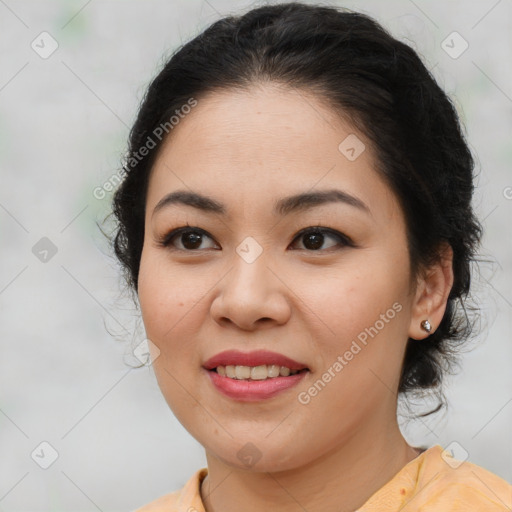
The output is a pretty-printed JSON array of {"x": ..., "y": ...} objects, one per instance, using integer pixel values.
[{"x": 254, "y": 358}]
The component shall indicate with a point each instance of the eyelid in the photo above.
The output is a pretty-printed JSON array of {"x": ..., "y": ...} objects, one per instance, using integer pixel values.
[
  {"x": 165, "y": 240},
  {"x": 326, "y": 231}
]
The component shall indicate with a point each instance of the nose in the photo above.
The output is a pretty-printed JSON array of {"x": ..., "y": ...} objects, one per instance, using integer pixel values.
[{"x": 251, "y": 296}]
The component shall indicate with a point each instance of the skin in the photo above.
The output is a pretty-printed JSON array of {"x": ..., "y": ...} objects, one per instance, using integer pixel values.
[{"x": 247, "y": 149}]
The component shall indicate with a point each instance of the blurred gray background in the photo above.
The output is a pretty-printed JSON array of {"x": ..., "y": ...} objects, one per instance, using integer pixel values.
[{"x": 72, "y": 74}]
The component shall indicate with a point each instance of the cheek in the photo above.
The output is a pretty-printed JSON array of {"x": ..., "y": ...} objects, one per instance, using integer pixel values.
[
  {"x": 171, "y": 310},
  {"x": 168, "y": 297},
  {"x": 351, "y": 299},
  {"x": 364, "y": 312}
]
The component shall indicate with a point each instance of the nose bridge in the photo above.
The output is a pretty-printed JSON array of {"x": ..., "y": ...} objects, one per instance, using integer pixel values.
[
  {"x": 251, "y": 291},
  {"x": 251, "y": 278}
]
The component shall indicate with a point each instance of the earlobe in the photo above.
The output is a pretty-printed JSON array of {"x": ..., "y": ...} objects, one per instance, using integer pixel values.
[
  {"x": 426, "y": 326},
  {"x": 432, "y": 291}
]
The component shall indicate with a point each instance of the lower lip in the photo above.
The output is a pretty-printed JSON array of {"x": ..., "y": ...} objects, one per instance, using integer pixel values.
[{"x": 253, "y": 390}]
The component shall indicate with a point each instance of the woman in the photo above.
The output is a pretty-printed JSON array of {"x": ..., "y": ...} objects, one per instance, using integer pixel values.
[{"x": 296, "y": 223}]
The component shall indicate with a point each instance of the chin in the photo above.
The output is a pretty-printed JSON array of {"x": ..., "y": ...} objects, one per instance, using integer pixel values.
[{"x": 257, "y": 456}]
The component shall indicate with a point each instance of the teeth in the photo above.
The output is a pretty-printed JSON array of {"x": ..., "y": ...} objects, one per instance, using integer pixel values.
[
  {"x": 261, "y": 372},
  {"x": 242, "y": 372},
  {"x": 273, "y": 370},
  {"x": 258, "y": 372},
  {"x": 284, "y": 371}
]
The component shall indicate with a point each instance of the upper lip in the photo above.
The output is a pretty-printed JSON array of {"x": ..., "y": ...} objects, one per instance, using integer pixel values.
[{"x": 255, "y": 358}]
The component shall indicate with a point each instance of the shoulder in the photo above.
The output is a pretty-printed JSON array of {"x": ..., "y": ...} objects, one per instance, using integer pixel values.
[
  {"x": 188, "y": 497},
  {"x": 445, "y": 483},
  {"x": 437, "y": 482}
]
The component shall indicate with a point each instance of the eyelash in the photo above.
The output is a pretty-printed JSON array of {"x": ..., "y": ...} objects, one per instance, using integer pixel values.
[{"x": 343, "y": 240}]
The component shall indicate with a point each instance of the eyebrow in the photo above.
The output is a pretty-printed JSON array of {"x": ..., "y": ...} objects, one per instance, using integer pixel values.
[{"x": 284, "y": 206}]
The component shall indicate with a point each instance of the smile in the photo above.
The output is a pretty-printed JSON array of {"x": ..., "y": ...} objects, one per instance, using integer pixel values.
[
  {"x": 252, "y": 390},
  {"x": 261, "y": 372}
]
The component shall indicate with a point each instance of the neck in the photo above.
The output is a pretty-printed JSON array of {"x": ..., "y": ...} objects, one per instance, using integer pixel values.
[{"x": 340, "y": 481}]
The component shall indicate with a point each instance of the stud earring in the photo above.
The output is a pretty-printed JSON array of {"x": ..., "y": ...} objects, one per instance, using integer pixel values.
[{"x": 425, "y": 325}]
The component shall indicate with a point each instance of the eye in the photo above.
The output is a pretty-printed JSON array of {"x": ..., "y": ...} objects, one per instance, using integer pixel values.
[
  {"x": 191, "y": 239},
  {"x": 315, "y": 237}
]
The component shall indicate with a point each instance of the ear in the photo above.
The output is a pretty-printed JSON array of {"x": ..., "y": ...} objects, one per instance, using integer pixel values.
[{"x": 432, "y": 291}]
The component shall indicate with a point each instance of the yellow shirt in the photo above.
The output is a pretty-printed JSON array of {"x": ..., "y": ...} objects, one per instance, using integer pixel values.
[{"x": 431, "y": 482}]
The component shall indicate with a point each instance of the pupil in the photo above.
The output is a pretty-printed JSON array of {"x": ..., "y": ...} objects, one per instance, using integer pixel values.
[
  {"x": 315, "y": 240},
  {"x": 191, "y": 240}
]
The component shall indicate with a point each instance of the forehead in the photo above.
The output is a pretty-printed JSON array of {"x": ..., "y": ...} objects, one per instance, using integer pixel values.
[
  {"x": 264, "y": 121},
  {"x": 261, "y": 142}
]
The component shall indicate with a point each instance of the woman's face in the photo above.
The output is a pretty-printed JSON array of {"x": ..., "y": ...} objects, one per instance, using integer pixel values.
[{"x": 336, "y": 299}]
